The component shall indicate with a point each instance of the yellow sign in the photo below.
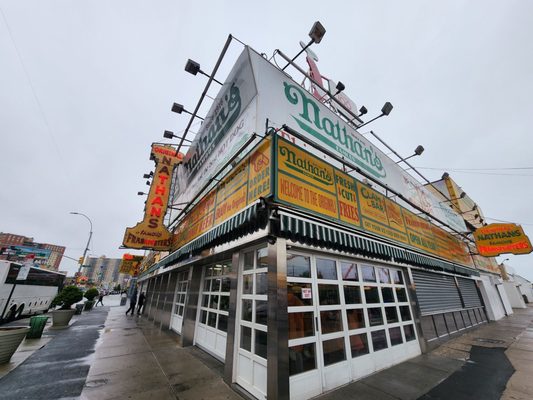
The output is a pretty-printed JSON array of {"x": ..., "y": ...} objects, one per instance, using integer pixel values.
[
  {"x": 305, "y": 181},
  {"x": 130, "y": 264},
  {"x": 246, "y": 183},
  {"x": 151, "y": 232},
  {"x": 495, "y": 239}
]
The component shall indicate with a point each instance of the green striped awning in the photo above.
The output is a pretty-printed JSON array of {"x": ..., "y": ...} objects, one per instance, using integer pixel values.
[
  {"x": 313, "y": 234},
  {"x": 247, "y": 221}
]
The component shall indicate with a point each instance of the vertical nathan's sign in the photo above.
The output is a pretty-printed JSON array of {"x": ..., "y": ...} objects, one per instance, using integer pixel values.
[{"x": 151, "y": 233}]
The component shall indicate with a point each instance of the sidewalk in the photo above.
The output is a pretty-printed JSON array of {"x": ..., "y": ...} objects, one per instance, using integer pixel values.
[
  {"x": 107, "y": 355},
  {"x": 135, "y": 360}
]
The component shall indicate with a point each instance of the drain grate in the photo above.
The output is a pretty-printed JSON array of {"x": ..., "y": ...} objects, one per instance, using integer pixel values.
[{"x": 493, "y": 341}]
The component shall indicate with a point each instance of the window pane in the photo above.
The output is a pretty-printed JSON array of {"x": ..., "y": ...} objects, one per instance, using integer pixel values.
[
  {"x": 247, "y": 284},
  {"x": 217, "y": 270},
  {"x": 205, "y": 300},
  {"x": 328, "y": 294},
  {"x": 215, "y": 286},
  {"x": 203, "y": 317},
  {"x": 352, "y": 294},
  {"x": 261, "y": 343},
  {"x": 379, "y": 340},
  {"x": 301, "y": 325},
  {"x": 349, "y": 271},
  {"x": 333, "y": 351},
  {"x": 246, "y": 338},
  {"x": 247, "y": 310},
  {"x": 212, "y": 320},
  {"x": 180, "y": 311},
  {"x": 405, "y": 313},
  {"x": 249, "y": 260},
  {"x": 391, "y": 314},
  {"x": 213, "y": 302},
  {"x": 331, "y": 321},
  {"x": 298, "y": 266},
  {"x": 369, "y": 275},
  {"x": 224, "y": 303},
  {"x": 261, "y": 312},
  {"x": 371, "y": 294},
  {"x": 302, "y": 358},
  {"x": 359, "y": 345},
  {"x": 261, "y": 283},
  {"x": 395, "y": 336},
  {"x": 326, "y": 269},
  {"x": 222, "y": 323},
  {"x": 226, "y": 285},
  {"x": 397, "y": 276},
  {"x": 226, "y": 268},
  {"x": 401, "y": 295},
  {"x": 262, "y": 261},
  {"x": 207, "y": 285},
  {"x": 209, "y": 271},
  {"x": 294, "y": 295},
  {"x": 388, "y": 296},
  {"x": 384, "y": 276},
  {"x": 375, "y": 316},
  {"x": 409, "y": 332},
  {"x": 356, "y": 319}
]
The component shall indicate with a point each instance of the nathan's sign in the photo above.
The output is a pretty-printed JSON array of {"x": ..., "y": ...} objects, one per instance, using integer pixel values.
[
  {"x": 246, "y": 183},
  {"x": 151, "y": 233},
  {"x": 305, "y": 181},
  {"x": 495, "y": 239},
  {"x": 130, "y": 264}
]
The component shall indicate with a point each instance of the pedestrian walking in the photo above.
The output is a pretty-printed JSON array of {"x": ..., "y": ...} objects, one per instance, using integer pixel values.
[
  {"x": 142, "y": 297},
  {"x": 133, "y": 301},
  {"x": 100, "y": 299}
]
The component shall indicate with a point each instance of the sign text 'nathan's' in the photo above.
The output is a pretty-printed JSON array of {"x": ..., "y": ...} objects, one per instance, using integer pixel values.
[{"x": 151, "y": 233}]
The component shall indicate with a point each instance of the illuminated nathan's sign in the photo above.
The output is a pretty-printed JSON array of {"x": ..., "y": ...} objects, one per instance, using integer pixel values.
[
  {"x": 151, "y": 233},
  {"x": 332, "y": 132}
]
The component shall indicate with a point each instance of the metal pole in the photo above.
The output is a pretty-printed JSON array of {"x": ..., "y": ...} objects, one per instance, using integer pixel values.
[{"x": 88, "y": 241}]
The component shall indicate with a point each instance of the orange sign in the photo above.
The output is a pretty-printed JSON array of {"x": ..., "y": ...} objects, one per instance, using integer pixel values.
[
  {"x": 151, "y": 232},
  {"x": 130, "y": 264},
  {"x": 495, "y": 239}
]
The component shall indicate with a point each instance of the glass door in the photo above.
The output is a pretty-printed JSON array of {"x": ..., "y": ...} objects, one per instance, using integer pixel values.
[
  {"x": 180, "y": 297},
  {"x": 346, "y": 320},
  {"x": 212, "y": 323},
  {"x": 251, "y": 332}
]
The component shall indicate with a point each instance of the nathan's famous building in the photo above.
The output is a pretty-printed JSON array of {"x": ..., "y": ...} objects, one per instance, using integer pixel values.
[{"x": 304, "y": 258}]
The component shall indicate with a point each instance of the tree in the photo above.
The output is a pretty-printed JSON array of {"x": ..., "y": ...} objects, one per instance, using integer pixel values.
[{"x": 67, "y": 297}]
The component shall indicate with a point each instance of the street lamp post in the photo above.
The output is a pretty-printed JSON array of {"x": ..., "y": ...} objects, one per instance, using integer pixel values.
[{"x": 88, "y": 241}]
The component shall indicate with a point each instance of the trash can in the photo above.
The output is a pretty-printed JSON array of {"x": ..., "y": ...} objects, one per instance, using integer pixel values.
[
  {"x": 37, "y": 324},
  {"x": 79, "y": 309},
  {"x": 123, "y": 301}
]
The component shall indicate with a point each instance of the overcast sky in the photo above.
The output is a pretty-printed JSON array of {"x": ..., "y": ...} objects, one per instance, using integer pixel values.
[{"x": 86, "y": 87}]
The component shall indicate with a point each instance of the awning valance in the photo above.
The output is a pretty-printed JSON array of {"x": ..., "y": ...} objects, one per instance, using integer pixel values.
[
  {"x": 247, "y": 221},
  {"x": 315, "y": 234}
]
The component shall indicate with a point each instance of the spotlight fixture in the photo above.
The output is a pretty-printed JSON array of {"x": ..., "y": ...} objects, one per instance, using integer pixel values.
[
  {"x": 362, "y": 111},
  {"x": 192, "y": 67},
  {"x": 148, "y": 183},
  {"x": 170, "y": 135},
  {"x": 418, "y": 151},
  {"x": 385, "y": 111},
  {"x": 445, "y": 175},
  {"x": 178, "y": 109},
  {"x": 316, "y": 34},
  {"x": 141, "y": 194},
  {"x": 148, "y": 176}
]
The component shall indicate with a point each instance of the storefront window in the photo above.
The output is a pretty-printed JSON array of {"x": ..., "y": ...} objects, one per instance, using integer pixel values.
[
  {"x": 395, "y": 335},
  {"x": 371, "y": 294},
  {"x": 375, "y": 316},
  {"x": 326, "y": 269},
  {"x": 379, "y": 340},
  {"x": 356, "y": 318},
  {"x": 352, "y": 294},
  {"x": 301, "y": 324},
  {"x": 331, "y": 321},
  {"x": 349, "y": 271},
  {"x": 369, "y": 275},
  {"x": 333, "y": 351},
  {"x": 302, "y": 358},
  {"x": 295, "y": 297},
  {"x": 328, "y": 294},
  {"x": 359, "y": 345},
  {"x": 298, "y": 266}
]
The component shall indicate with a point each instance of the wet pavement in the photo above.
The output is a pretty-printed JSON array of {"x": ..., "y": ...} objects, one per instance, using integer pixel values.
[
  {"x": 107, "y": 355},
  {"x": 59, "y": 369}
]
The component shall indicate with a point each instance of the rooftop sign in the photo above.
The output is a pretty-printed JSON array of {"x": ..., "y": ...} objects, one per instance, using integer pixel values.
[{"x": 495, "y": 239}]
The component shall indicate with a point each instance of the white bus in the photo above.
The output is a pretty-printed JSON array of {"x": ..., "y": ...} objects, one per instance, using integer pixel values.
[{"x": 30, "y": 296}]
